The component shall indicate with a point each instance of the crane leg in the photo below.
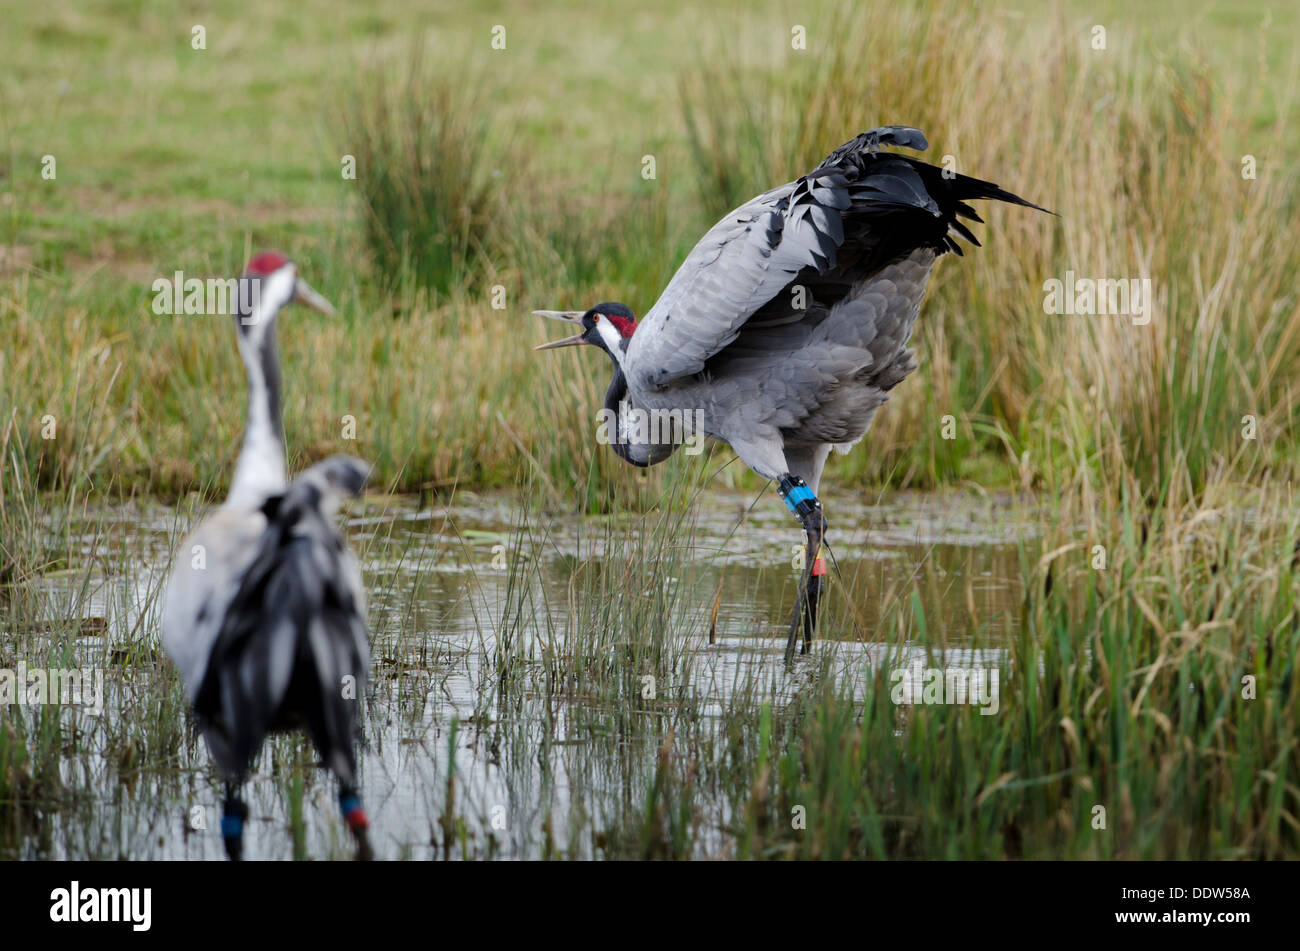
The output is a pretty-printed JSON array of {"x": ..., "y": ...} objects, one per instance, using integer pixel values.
[
  {"x": 800, "y": 500},
  {"x": 816, "y": 566},
  {"x": 233, "y": 814},
  {"x": 355, "y": 817}
]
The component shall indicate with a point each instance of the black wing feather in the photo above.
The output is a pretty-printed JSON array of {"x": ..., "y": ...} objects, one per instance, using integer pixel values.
[{"x": 293, "y": 606}]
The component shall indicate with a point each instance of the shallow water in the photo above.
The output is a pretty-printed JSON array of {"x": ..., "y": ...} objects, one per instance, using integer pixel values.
[{"x": 533, "y": 776}]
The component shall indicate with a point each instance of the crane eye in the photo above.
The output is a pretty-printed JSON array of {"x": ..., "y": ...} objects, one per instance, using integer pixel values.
[{"x": 596, "y": 318}]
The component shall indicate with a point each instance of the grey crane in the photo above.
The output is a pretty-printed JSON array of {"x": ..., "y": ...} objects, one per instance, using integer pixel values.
[
  {"x": 264, "y": 612},
  {"x": 787, "y": 326}
]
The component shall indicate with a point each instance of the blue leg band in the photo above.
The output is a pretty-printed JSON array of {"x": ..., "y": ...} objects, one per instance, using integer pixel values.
[
  {"x": 798, "y": 498},
  {"x": 798, "y": 494},
  {"x": 232, "y": 827}
]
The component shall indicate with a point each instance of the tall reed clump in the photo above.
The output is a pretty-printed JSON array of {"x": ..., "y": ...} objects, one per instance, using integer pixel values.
[
  {"x": 1147, "y": 710},
  {"x": 629, "y": 612},
  {"x": 426, "y": 179},
  {"x": 1139, "y": 153}
]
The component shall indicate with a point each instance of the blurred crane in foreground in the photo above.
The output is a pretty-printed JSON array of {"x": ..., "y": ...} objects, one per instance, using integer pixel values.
[
  {"x": 264, "y": 612},
  {"x": 787, "y": 326}
]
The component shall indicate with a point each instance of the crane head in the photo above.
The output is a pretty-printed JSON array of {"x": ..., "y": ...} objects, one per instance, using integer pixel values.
[
  {"x": 270, "y": 281},
  {"x": 609, "y": 326}
]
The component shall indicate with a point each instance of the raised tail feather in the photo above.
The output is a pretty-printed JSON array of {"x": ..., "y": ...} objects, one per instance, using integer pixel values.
[{"x": 928, "y": 200}]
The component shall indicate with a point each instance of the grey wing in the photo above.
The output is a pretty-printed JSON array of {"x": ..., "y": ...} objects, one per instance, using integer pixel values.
[
  {"x": 322, "y": 487},
  {"x": 336, "y": 476},
  {"x": 743, "y": 261}
]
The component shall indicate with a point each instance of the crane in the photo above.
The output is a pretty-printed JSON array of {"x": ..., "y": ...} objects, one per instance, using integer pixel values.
[
  {"x": 264, "y": 612},
  {"x": 786, "y": 328}
]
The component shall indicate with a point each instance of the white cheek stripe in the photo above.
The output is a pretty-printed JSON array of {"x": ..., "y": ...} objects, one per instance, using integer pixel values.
[{"x": 613, "y": 339}]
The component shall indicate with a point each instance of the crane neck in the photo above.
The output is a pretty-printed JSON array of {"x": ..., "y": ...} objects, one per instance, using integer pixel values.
[
  {"x": 633, "y": 430},
  {"x": 260, "y": 471}
]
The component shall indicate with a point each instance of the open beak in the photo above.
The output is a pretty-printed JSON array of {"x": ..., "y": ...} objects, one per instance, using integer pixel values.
[
  {"x": 568, "y": 316},
  {"x": 303, "y": 293}
]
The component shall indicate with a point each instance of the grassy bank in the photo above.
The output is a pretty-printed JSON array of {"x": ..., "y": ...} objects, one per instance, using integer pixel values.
[{"x": 195, "y": 157}]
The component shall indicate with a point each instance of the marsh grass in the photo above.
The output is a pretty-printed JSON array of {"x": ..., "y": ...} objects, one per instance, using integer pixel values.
[
  {"x": 428, "y": 203},
  {"x": 1122, "y": 689},
  {"x": 1143, "y": 163},
  {"x": 1139, "y": 151}
]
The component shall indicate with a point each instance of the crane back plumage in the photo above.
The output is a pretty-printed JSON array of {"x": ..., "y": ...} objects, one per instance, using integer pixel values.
[{"x": 291, "y": 651}]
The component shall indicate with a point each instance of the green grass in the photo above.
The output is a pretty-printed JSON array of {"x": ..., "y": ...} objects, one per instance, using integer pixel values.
[{"x": 190, "y": 159}]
